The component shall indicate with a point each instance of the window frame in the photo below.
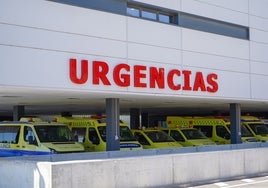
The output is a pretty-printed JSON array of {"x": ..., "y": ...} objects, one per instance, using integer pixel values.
[{"x": 171, "y": 14}]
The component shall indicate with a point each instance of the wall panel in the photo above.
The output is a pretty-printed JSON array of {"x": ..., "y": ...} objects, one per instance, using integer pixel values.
[
  {"x": 63, "y": 18},
  {"x": 258, "y": 52},
  {"x": 153, "y": 33},
  {"x": 258, "y": 23},
  {"x": 260, "y": 36},
  {"x": 214, "y": 44},
  {"x": 37, "y": 38},
  {"x": 210, "y": 10},
  {"x": 258, "y": 8},
  {"x": 259, "y": 85},
  {"x": 259, "y": 67},
  {"x": 237, "y": 5},
  {"x": 215, "y": 62},
  {"x": 154, "y": 53}
]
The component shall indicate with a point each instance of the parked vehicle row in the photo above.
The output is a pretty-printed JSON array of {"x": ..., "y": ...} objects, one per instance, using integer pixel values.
[
  {"x": 31, "y": 136},
  {"x": 218, "y": 128}
]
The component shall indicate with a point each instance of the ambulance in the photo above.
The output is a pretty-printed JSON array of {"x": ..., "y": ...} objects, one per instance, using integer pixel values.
[
  {"x": 255, "y": 126},
  {"x": 265, "y": 121},
  {"x": 181, "y": 130},
  {"x": 188, "y": 136},
  {"x": 28, "y": 137},
  {"x": 91, "y": 132},
  {"x": 214, "y": 129},
  {"x": 154, "y": 138},
  {"x": 247, "y": 128}
]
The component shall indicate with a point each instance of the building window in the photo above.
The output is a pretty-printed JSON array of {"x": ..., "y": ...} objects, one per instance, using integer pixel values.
[
  {"x": 148, "y": 14},
  {"x": 151, "y": 13},
  {"x": 213, "y": 26},
  {"x": 165, "y": 18},
  {"x": 187, "y": 20},
  {"x": 164, "y": 15},
  {"x": 133, "y": 11}
]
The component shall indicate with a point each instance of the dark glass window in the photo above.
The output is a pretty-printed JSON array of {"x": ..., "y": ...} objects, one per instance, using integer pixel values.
[
  {"x": 193, "y": 134},
  {"x": 79, "y": 134},
  {"x": 164, "y": 15},
  {"x": 213, "y": 26},
  {"x": 141, "y": 139},
  {"x": 176, "y": 135},
  {"x": 148, "y": 14},
  {"x": 164, "y": 18},
  {"x": 9, "y": 134},
  {"x": 207, "y": 130},
  {"x": 158, "y": 136},
  {"x": 59, "y": 133},
  {"x": 152, "y": 13},
  {"x": 188, "y": 20},
  {"x": 259, "y": 129},
  {"x": 133, "y": 11},
  {"x": 221, "y": 131},
  {"x": 93, "y": 136}
]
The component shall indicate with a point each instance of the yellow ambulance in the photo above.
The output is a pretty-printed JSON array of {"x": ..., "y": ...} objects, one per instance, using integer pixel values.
[
  {"x": 255, "y": 126},
  {"x": 188, "y": 136},
  {"x": 91, "y": 132},
  {"x": 247, "y": 133},
  {"x": 214, "y": 129},
  {"x": 36, "y": 138},
  {"x": 154, "y": 138}
]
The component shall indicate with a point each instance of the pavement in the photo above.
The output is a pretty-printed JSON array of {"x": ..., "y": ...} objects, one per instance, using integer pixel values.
[{"x": 254, "y": 182}]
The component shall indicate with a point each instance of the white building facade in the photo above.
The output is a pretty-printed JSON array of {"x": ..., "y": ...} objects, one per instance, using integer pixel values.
[{"x": 194, "y": 49}]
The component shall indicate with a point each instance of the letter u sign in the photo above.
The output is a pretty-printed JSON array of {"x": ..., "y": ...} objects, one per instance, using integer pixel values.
[{"x": 73, "y": 71}]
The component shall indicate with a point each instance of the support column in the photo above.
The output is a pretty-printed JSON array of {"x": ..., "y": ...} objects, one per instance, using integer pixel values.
[
  {"x": 134, "y": 118},
  {"x": 112, "y": 125},
  {"x": 145, "y": 119},
  {"x": 235, "y": 120},
  {"x": 18, "y": 112}
]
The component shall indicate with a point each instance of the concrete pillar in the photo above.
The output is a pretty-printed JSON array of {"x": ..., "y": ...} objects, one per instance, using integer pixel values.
[
  {"x": 134, "y": 118},
  {"x": 145, "y": 119},
  {"x": 112, "y": 128},
  {"x": 235, "y": 120},
  {"x": 18, "y": 112}
]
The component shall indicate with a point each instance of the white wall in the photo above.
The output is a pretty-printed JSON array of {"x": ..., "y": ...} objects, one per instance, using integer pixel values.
[
  {"x": 258, "y": 47},
  {"x": 155, "y": 170},
  {"x": 30, "y": 174},
  {"x": 39, "y": 37},
  {"x": 225, "y": 10}
]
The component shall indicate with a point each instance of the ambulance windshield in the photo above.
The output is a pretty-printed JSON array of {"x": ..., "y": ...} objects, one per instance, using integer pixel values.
[
  {"x": 53, "y": 133},
  {"x": 159, "y": 136},
  {"x": 193, "y": 134},
  {"x": 125, "y": 133},
  {"x": 259, "y": 129}
]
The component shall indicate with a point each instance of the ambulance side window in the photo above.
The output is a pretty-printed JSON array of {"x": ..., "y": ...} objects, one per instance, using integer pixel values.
[
  {"x": 176, "y": 135},
  {"x": 207, "y": 130},
  {"x": 79, "y": 134},
  {"x": 28, "y": 135},
  {"x": 141, "y": 139},
  {"x": 9, "y": 134},
  {"x": 221, "y": 131},
  {"x": 93, "y": 136}
]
